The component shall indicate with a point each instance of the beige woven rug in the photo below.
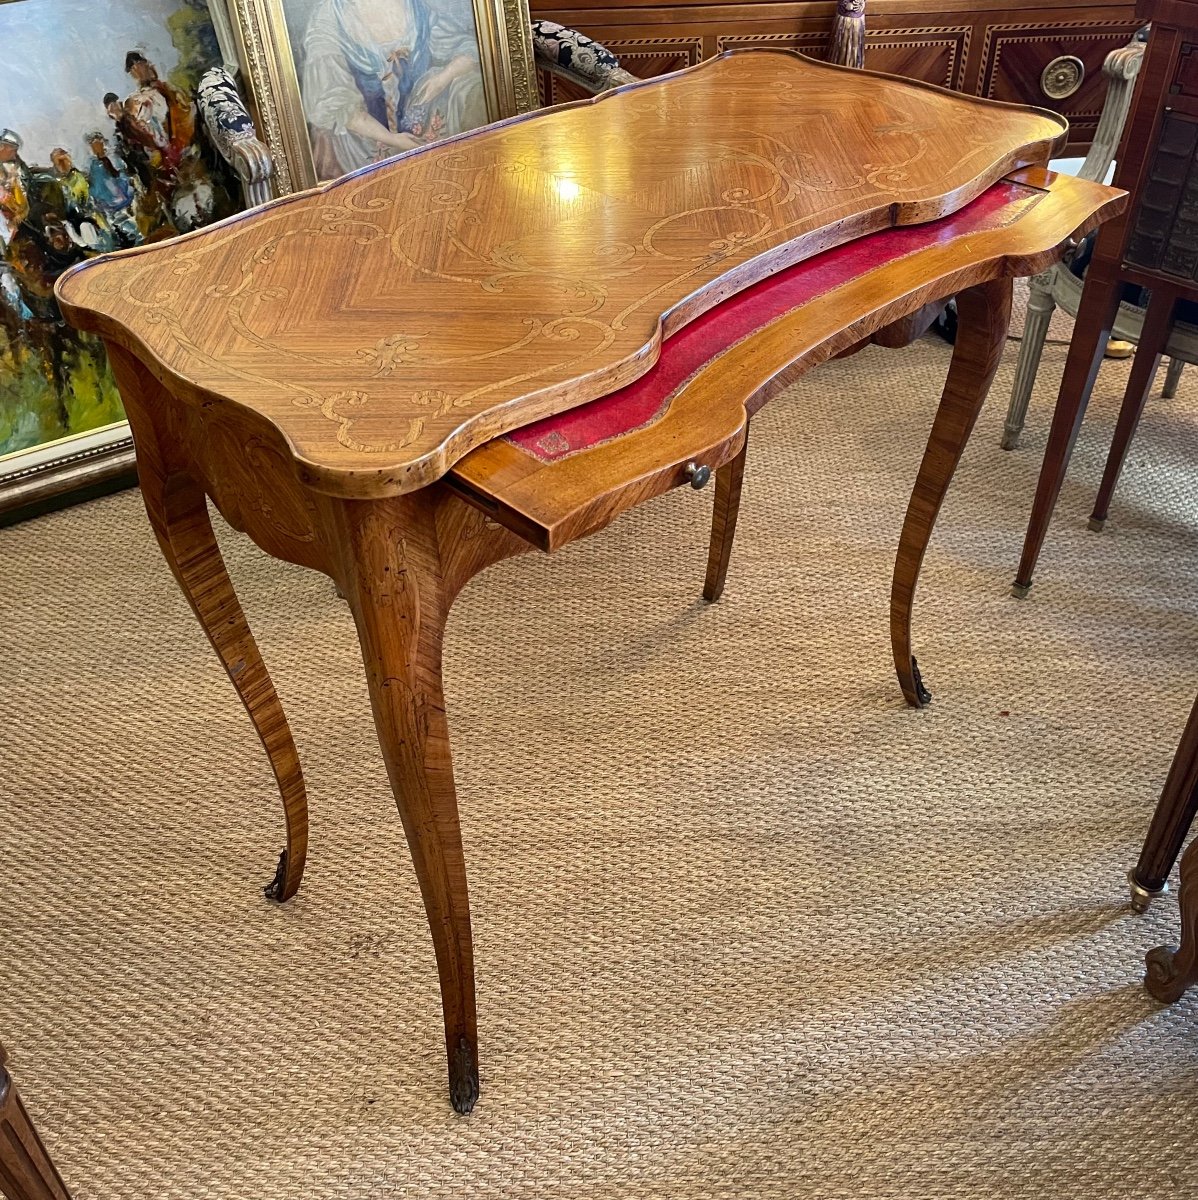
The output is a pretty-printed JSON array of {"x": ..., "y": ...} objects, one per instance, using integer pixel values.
[{"x": 746, "y": 927}]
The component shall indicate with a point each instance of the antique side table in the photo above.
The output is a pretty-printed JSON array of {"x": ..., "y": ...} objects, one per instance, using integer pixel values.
[{"x": 503, "y": 341}]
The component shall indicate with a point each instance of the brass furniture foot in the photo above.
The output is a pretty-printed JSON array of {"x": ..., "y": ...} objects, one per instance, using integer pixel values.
[
  {"x": 1141, "y": 896},
  {"x": 463, "y": 1078}
]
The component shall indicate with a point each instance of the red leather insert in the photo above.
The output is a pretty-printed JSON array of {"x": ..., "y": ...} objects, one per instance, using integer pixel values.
[{"x": 644, "y": 400}]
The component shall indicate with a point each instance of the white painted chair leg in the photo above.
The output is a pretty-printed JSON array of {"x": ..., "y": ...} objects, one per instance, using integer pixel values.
[
  {"x": 1040, "y": 305},
  {"x": 1172, "y": 378}
]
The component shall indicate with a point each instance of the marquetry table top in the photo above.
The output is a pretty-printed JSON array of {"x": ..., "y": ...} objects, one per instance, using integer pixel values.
[{"x": 394, "y": 320}]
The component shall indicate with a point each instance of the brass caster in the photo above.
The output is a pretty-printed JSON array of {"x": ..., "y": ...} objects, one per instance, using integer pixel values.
[
  {"x": 1097, "y": 523},
  {"x": 274, "y": 889},
  {"x": 1117, "y": 348},
  {"x": 921, "y": 691},
  {"x": 1142, "y": 897},
  {"x": 1010, "y": 440},
  {"x": 463, "y": 1078},
  {"x": 1020, "y": 590}
]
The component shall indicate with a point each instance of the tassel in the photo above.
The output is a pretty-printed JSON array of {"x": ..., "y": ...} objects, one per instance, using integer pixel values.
[{"x": 847, "y": 44}]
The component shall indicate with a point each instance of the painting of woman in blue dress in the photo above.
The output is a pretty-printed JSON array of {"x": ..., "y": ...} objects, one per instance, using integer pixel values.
[{"x": 378, "y": 77}]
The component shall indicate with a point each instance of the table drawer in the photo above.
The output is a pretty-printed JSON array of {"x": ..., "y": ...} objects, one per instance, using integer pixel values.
[{"x": 568, "y": 475}]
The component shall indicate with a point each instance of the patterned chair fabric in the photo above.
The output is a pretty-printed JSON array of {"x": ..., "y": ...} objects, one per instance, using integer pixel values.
[
  {"x": 576, "y": 57},
  {"x": 231, "y": 129},
  {"x": 564, "y": 52}
]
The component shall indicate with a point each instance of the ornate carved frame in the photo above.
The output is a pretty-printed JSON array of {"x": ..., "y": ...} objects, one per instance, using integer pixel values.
[{"x": 269, "y": 73}]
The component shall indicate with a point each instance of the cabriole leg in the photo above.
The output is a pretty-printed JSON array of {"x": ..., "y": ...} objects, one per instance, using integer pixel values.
[
  {"x": 984, "y": 313},
  {"x": 178, "y": 513},
  {"x": 399, "y": 587}
]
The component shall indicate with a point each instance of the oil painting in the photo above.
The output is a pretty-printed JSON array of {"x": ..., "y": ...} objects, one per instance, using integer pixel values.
[
  {"x": 358, "y": 81},
  {"x": 100, "y": 149},
  {"x": 380, "y": 76}
]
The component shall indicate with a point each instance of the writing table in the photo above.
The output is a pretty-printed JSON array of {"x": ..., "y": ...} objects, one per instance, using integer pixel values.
[{"x": 503, "y": 341}]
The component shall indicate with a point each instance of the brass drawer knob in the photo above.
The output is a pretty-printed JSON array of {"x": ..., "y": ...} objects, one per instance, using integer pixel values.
[
  {"x": 698, "y": 475},
  {"x": 1062, "y": 77}
]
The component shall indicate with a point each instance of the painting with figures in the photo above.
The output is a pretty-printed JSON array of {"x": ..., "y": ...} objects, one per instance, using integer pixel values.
[
  {"x": 380, "y": 76},
  {"x": 100, "y": 149}
]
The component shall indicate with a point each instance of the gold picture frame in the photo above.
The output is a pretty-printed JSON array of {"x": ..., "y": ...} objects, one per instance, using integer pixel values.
[{"x": 266, "y": 51}]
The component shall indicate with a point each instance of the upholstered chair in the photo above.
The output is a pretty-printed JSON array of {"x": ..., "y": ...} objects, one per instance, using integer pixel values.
[
  {"x": 1061, "y": 285},
  {"x": 573, "y": 56},
  {"x": 231, "y": 129}
]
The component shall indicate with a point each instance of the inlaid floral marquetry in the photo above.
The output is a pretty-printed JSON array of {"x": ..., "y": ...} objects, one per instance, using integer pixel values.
[{"x": 400, "y": 317}]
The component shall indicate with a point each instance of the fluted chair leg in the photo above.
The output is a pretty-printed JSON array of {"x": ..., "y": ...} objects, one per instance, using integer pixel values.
[
  {"x": 1173, "y": 378},
  {"x": 1040, "y": 306}
]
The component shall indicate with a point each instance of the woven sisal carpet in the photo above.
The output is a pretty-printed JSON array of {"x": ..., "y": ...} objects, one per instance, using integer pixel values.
[{"x": 746, "y": 927}]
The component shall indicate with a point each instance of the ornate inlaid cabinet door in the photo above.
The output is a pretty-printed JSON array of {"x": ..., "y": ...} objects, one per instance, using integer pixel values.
[
  {"x": 1054, "y": 64},
  {"x": 935, "y": 53}
]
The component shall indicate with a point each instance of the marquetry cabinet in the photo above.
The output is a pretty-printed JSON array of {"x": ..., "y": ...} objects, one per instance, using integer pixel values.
[{"x": 1049, "y": 55}]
